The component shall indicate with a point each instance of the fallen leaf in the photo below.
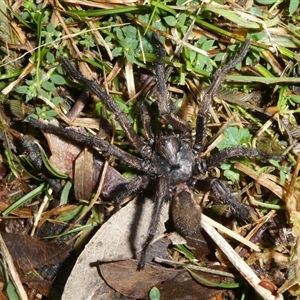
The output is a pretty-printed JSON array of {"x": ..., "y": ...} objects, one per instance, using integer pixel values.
[
  {"x": 120, "y": 238},
  {"x": 29, "y": 253},
  {"x": 183, "y": 286},
  {"x": 123, "y": 277},
  {"x": 173, "y": 284},
  {"x": 64, "y": 153},
  {"x": 83, "y": 177}
]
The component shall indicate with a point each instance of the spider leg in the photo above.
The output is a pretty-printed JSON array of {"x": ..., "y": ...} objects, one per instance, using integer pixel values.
[
  {"x": 208, "y": 98},
  {"x": 110, "y": 104},
  {"x": 165, "y": 106},
  {"x": 146, "y": 120},
  {"x": 223, "y": 193},
  {"x": 162, "y": 194},
  {"x": 132, "y": 187},
  {"x": 106, "y": 148},
  {"x": 231, "y": 152}
]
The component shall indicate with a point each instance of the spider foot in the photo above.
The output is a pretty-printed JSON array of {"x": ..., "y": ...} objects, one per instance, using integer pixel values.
[{"x": 223, "y": 193}]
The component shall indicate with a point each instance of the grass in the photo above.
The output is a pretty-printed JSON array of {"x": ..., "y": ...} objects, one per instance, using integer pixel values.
[{"x": 112, "y": 42}]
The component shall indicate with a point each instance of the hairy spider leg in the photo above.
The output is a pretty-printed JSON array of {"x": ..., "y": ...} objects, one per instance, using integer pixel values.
[
  {"x": 127, "y": 189},
  {"x": 164, "y": 102},
  {"x": 220, "y": 191},
  {"x": 144, "y": 116},
  {"x": 111, "y": 105},
  {"x": 236, "y": 151},
  {"x": 208, "y": 98},
  {"x": 162, "y": 194},
  {"x": 107, "y": 148}
]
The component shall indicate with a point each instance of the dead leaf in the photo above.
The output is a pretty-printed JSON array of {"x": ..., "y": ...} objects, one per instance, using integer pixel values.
[
  {"x": 183, "y": 286},
  {"x": 29, "y": 253},
  {"x": 173, "y": 284},
  {"x": 123, "y": 277},
  {"x": 118, "y": 239},
  {"x": 64, "y": 153},
  {"x": 83, "y": 177}
]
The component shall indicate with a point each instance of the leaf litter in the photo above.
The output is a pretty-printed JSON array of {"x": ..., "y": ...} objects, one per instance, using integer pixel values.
[{"x": 267, "y": 34}]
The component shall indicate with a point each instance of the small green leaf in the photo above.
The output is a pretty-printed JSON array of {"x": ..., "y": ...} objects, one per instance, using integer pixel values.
[
  {"x": 50, "y": 114},
  {"x": 57, "y": 79},
  {"x": 229, "y": 172},
  {"x": 130, "y": 31},
  {"x": 186, "y": 252},
  {"x": 170, "y": 20},
  {"x": 11, "y": 291},
  {"x": 77, "y": 229},
  {"x": 232, "y": 175},
  {"x": 50, "y": 57},
  {"x": 48, "y": 86},
  {"x": 25, "y": 163},
  {"x": 275, "y": 163},
  {"x": 57, "y": 100},
  {"x": 235, "y": 18},
  {"x": 69, "y": 215},
  {"x": 22, "y": 89},
  {"x": 50, "y": 27},
  {"x": 207, "y": 45},
  {"x": 181, "y": 19},
  {"x": 234, "y": 136},
  {"x": 10, "y": 161},
  {"x": 266, "y": 2},
  {"x": 117, "y": 51},
  {"x": 295, "y": 98},
  {"x": 34, "y": 116},
  {"x": 154, "y": 294}
]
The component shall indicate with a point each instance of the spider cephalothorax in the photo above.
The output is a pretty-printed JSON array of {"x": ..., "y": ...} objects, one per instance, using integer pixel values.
[
  {"x": 174, "y": 157},
  {"x": 169, "y": 160}
]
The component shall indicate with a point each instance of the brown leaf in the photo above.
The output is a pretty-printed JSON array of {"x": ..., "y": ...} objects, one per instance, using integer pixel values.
[
  {"x": 83, "y": 177},
  {"x": 118, "y": 239},
  {"x": 173, "y": 284},
  {"x": 123, "y": 277},
  {"x": 30, "y": 253},
  {"x": 112, "y": 178},
  {"x": 39, "y": 285},
  {"x": 64, "y": 153},
  {"x": 183, "y": 286},
  {"x": 22, "y": 212}
]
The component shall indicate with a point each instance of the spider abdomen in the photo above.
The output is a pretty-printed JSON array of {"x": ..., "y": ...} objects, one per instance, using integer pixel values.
[{"x": 186, "y": 213}]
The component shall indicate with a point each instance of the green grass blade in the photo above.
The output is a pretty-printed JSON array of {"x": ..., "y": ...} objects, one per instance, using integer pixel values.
[
  {"x": 25, "y": 198},
  {"x": 64, "y": 197},
  {"x": 247, "y": 79},
  {"x": 49, "y": 167},
  {"x": 105, "y": 12},
  {"x": 213, "y": 284}
]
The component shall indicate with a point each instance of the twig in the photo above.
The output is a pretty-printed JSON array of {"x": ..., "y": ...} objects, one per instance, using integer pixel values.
[{"x": 239, "y": 263}]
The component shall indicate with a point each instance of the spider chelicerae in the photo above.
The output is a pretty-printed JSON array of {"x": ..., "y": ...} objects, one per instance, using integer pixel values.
[{"x": 168, "y": 159}]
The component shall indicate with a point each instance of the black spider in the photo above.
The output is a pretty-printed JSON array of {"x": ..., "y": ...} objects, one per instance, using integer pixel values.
[{"x": 170, "y": 160}]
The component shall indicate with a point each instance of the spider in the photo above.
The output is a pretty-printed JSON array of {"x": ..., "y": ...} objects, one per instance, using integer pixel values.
[{"x": 170, "y": 160}]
